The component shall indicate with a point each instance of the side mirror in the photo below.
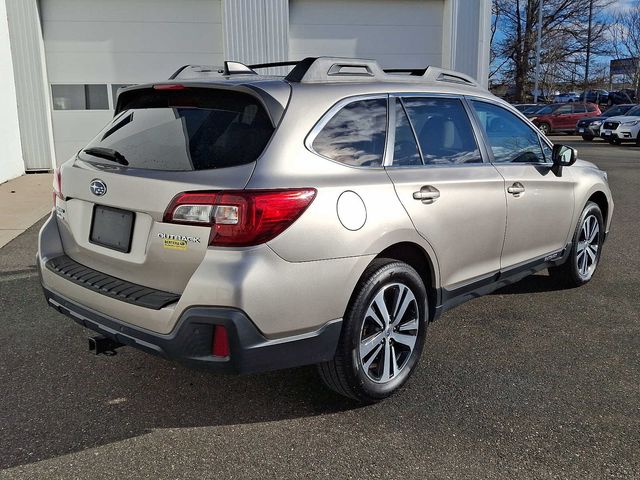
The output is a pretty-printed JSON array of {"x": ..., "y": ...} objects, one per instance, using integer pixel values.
[{"x": 563, "y": 156}]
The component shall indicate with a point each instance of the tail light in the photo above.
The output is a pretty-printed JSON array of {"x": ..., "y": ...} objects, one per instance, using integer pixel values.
[
  {"x": 57, "y": 185},
  {"x": 240, "y": 218}
]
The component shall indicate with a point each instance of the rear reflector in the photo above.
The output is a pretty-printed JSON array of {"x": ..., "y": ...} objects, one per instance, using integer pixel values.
[
  {"x": 220, "y": 347},
  {"x": 240, "y": 218}
]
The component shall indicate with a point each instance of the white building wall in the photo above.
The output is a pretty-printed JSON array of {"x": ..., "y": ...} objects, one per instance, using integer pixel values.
[
  {"x": 25, "y": 35},
  {"x": 11, "y": 162},
  {"x": 256, "y": 31},
  {"x": 398, "y": 33},
  {"x": 466, "y": 37},
  {"x": 131, "y": 41}
]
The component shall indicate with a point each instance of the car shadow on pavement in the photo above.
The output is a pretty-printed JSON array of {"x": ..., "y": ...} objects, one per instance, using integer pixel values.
[
  {"x": 538, "y": 283},
  {"x": 57, "y": 398}
]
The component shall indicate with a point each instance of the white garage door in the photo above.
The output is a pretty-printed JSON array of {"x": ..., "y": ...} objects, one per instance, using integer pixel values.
[
  {"x": 94, "y": 46},
  {"x": 397, "y": 33}
]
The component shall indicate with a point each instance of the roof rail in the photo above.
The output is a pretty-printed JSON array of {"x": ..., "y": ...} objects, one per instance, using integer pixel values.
[
  {"x": 331, "y": 69},
  {"x": 335, "y": 69}
]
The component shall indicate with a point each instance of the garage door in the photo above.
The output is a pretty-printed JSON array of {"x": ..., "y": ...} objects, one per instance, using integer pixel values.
[
  {"x": 398, "y": 33},
  {"x": 94, "y": 46}
]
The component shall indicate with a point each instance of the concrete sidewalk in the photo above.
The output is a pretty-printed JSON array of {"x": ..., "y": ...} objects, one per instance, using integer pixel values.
[{"x": 23, "y": 202}]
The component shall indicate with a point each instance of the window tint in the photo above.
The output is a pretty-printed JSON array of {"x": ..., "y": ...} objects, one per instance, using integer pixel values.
[
  {"x": 443, "y": 129},
  {"x": 191, "y": 129},
  {"x": 511, "y": 139},
  {"x": 579, "y": 109},
  {"x": 80, "y": 97},
  {"x": 356, "y": 134},
  {"x": 591, "y": 108},
  {"x": 405, "y": 150},
  {"x": 564, "y": 109},
  {"x": 633, "y": 112}
]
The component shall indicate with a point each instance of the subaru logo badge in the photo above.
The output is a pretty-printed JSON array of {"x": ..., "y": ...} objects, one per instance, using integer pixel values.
[{"x": 98, "y": 187}]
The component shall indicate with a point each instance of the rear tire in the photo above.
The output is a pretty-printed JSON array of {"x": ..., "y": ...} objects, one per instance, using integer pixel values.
[
  {"x": 586, "y": 248},
  {"x": 383, "y": 333}
]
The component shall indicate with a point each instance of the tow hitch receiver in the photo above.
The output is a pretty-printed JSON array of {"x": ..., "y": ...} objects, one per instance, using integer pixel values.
[{"x": 101, "y": 344}]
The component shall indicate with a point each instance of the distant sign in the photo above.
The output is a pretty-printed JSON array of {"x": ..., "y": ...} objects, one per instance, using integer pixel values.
[{"x": 623, "y": 66}]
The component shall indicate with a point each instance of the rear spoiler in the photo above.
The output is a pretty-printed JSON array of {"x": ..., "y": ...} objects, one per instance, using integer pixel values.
[{"x": 274, "y": 101}]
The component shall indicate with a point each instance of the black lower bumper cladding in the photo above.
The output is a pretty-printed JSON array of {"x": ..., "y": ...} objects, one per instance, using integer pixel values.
[{"x": 190, "y": 342}]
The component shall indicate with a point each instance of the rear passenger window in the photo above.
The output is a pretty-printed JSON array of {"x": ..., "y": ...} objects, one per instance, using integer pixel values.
[
  {"x": 579, "y": 109},
  {"x": 405, "y": 150},
  {"x": 511, "y": 139},
  {"x": 356, "y": 134},
  {"x": 443, "y": 130}
]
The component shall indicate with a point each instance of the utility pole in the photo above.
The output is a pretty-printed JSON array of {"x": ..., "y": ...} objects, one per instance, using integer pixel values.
[
  {"x": 586, "y": 69},
  {"x": 536, "y": 90}
]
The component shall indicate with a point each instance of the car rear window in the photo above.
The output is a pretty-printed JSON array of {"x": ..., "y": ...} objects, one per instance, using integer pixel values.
[{"x": 185, "y": 129}]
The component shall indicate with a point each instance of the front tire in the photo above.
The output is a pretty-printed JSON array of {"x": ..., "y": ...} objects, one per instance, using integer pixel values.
[
  {"x": 383, "y": 333},
  {"x": 587, "y": 138},
  {"x": 586, "y": 248}
]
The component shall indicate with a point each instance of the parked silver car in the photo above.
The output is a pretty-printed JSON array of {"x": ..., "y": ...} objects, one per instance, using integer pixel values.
[{"x": 247, "y": 223}]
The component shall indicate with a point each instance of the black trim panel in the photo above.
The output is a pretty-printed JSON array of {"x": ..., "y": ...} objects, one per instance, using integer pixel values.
[
  {"x": 110, "y": 286},
  {"x": 452, "y": 298},
  {"x": 190, "y": 341}
]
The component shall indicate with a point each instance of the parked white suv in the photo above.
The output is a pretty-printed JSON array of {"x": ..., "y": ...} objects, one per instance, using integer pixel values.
[{"x": 624, "y": 128}]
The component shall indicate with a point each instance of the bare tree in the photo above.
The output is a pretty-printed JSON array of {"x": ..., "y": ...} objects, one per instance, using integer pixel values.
[
  {"x": 625, "y": 39},
  {"x": 564, "y": 34}
]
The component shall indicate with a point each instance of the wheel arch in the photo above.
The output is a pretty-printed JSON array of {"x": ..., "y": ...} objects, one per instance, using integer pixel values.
[
  {"x": 417, "y": 257},
  {"x": 600, "y": 199}
]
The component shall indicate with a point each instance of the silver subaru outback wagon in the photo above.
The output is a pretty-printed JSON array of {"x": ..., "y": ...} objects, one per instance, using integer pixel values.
[{"x": 244, "y": 223}]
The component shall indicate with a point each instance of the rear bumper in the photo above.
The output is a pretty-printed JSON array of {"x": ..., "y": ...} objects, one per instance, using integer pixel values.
[{"x": 190, "y": 342}]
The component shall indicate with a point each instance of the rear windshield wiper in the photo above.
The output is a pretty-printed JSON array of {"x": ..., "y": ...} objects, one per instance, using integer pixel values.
[{"x": 107, "y": 154}]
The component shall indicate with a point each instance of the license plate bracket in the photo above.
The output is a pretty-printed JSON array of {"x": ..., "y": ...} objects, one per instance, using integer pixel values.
[{"x": 112, "y": 228}]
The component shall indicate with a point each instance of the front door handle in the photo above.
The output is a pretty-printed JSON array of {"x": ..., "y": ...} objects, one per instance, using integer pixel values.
[
  {"x": 427, "y": 194},
  {"x": 516, "y": 189}
]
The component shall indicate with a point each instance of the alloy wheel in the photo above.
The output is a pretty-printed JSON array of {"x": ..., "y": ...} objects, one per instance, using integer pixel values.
[
  {"x": 588, "y": 245},
  {"x": 389, "y": 332}
]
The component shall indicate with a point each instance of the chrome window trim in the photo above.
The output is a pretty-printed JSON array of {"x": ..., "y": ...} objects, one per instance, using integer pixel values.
[
  {"x": 517, "y": 113},
  {"x": 476, "y": 134},
  {"x": 333, "y": 110}
]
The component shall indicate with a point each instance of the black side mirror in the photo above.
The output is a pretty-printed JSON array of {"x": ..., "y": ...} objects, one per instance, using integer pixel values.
[{"x": 563, "y": 156}]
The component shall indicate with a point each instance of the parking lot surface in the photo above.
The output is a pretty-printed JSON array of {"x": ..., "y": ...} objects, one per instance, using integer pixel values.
[{"x": 530, "y": 382}]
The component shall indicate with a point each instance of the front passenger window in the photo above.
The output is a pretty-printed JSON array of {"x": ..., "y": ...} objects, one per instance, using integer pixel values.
[{"x": 511, "y": 139}]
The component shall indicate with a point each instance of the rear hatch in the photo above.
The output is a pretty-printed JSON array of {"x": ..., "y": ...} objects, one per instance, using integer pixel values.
[{"x": 164, "y": 139}]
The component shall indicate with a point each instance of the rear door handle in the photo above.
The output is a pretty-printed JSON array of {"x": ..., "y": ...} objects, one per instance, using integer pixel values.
[
  {"x": 427, "y": 194},
  {"x": 516, "y": 189}
]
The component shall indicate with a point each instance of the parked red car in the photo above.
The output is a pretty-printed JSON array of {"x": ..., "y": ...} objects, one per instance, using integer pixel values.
[{"x": 564, "y": 116}]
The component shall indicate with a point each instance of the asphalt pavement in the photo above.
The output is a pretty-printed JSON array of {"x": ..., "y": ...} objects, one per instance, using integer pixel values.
[{"x": 530, "y": 382}]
